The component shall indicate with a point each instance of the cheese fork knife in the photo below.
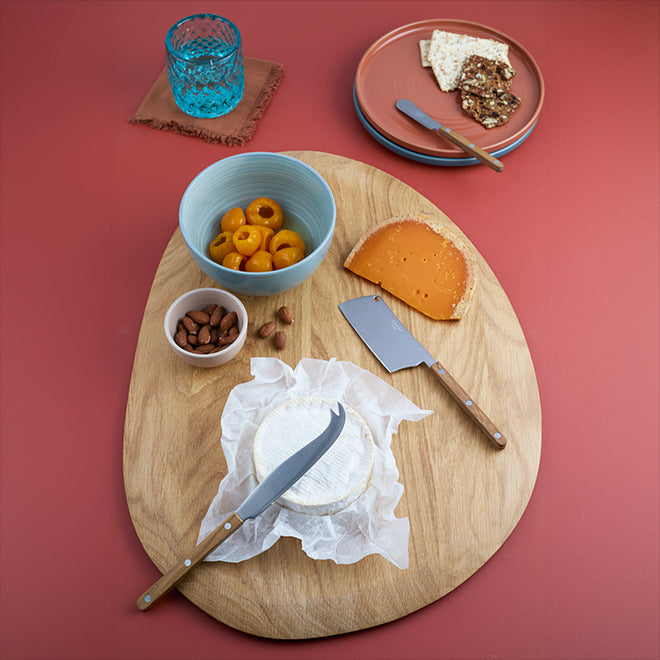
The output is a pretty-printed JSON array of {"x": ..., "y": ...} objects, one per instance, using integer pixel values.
[
  {"x": 267, "y": 492},
  {"x": 411, "y": 110}
]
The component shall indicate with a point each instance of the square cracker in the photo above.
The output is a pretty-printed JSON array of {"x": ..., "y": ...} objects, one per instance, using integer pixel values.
[
  {"x": 448, "y": 51},
  {"x": 424, "y": 45}
]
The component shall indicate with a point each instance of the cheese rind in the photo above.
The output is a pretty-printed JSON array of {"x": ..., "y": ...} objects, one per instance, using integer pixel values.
[
  {"x": 340, "y": 476},
  {"x": 420, "y": 262}
]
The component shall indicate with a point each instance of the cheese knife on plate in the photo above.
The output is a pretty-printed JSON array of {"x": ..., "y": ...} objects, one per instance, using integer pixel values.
[
  {"x": 396, "y": 348},
  {"x": 268, "y": 491},
  {"x": 410, "y": 109}
]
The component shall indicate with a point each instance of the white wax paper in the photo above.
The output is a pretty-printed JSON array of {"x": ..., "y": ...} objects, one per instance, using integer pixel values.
[{"x": 366, "y": 526}]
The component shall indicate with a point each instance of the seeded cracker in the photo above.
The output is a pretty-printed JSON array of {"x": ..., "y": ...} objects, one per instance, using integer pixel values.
[
  {"x": 424, "y": 46},
  {"x": 490, "y": 112},
  {"x": 448, "y": 52},
  {"x": 485, "y": 77}
]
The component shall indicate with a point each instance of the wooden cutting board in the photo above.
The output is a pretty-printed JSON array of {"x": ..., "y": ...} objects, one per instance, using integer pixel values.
[{"x": 462, "y": 497}]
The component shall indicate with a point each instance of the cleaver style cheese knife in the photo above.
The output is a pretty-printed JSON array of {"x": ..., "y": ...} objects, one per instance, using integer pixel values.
[
  {"x": 396, "y": 348},
  {"x": 270, "y": 489}
]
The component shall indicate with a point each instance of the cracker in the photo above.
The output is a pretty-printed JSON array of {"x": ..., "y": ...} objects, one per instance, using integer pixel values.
[
  {"x": 449, "y": 50},
  {"x": 485, "y": 77},
  {"x": 490, "y": 112},
  {"x": 424, "y": 45}
]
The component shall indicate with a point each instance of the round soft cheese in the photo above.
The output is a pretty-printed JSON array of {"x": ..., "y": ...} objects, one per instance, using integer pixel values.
[{"x": 338, "y": 478}]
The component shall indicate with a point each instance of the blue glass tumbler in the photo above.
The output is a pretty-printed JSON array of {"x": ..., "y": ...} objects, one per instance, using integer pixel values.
[{"x": 205, "y": 65}]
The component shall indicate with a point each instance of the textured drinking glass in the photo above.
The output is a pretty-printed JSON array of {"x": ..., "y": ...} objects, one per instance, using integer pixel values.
[{"x": 205, "y": 65}]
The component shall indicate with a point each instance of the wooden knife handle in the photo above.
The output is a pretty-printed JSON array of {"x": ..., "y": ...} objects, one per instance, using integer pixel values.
[
  {"x": 175, "y": 574},
  {"x": 469, "y": 406},
  {"x": 471, "y": 148}
]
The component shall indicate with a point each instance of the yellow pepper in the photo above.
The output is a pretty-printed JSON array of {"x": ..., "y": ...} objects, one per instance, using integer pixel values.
[
  {"x": 285, "y": 239},
  {"x": 264, "y": 211},
  {"x": 234, "y": 260},
  {"x": 220, "y": 246},
  {"x": 247, "y": 240},
  {"x": 260, "y": 262},
  {"x": 287, "y": 256},
  {"x": 266, "y": 236},
  {"x": 232, "y": 220}
]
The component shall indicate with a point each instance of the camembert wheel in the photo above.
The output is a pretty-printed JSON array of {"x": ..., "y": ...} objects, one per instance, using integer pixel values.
[{"x": 339, "y": 477}]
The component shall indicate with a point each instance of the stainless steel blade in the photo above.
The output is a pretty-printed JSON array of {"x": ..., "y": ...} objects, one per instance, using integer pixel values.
[
  {"x": 396, "y": 348},
  {"x": 293, "y": 468},
  {"x": 411, "y": 110},
  {"x": 388, "y": 339}
]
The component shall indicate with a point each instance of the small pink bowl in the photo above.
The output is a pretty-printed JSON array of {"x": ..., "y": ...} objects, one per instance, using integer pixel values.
[{"x": 198, "y": 299}]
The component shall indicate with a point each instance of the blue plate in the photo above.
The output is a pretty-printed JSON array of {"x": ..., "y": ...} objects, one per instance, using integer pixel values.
[{"x": 426, "y": 158}]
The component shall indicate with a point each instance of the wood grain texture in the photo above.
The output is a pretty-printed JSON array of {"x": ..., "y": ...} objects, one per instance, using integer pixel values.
[
  {"x": 463, "y": 497},
  {"x": 189, "y": 561}
]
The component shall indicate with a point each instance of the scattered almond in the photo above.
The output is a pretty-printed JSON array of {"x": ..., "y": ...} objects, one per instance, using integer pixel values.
[
  {"x": 266, "y": 329},
  {"x": 285, "y": 314},
  {"x": 280, "y": 340}
]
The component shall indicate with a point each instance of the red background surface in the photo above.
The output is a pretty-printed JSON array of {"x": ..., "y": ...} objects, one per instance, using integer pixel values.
[{"x": 88, "y": 203}]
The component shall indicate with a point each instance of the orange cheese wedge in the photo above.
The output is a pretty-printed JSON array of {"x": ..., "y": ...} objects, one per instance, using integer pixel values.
[{"x": 420, "y": 262}]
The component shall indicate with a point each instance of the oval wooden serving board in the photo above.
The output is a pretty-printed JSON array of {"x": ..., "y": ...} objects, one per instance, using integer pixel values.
[{"x": 462, "y": 497}]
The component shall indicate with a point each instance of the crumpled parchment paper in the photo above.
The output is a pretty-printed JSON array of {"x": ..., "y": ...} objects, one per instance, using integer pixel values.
[{"x": 366, "y": 526}]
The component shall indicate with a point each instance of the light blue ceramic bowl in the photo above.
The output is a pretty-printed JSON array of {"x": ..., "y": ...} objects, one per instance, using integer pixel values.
[{"x": 307, "y": 203}]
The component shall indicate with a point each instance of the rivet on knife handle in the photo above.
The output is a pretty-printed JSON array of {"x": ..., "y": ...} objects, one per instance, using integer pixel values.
[
  {"x": 267, "y": 492},
  {"x": 471, "y": 148},
  {"x": 185, "y": 565},
  {"x": 469, "y": 406}
]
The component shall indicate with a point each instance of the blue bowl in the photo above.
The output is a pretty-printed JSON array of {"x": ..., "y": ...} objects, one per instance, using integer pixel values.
[{"x": 308, "y": 207}]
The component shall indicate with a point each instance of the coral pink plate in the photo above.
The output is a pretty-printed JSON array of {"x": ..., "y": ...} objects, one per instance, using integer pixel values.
[{"x": 391, "y": 69}]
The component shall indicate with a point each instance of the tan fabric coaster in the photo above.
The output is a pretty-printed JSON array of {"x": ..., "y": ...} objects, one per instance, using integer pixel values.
[{"x": 160, "y": 111}]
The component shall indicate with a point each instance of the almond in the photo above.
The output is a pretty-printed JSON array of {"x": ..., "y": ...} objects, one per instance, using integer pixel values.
[
  {"x": 227, "y": 321},
  {"x": 267, "y": 329},
  {"x": 226, "y": 340},
  {"x": 209, "y": 309},
  {"x": 181, "y": 338},
  {"x": 206, "y": 348},
  {"x": 202, "y": 318},
  {"x": 217, "y": 315},
  {"x": 204, "y": 334},
  {"x": 190, "y": 325},
  {"x": 285, "y": 314},
  {"x": 280, "y": 340}
]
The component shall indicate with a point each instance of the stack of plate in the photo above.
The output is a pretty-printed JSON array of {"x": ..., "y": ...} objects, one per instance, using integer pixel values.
[{"x": 391, "y": 69}]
